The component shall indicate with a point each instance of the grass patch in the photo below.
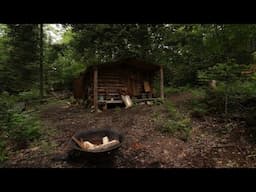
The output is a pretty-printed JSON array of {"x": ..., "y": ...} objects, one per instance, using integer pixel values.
[
  {"x": 18, "y": 128},
  {"x": 177, "y": 124},
  {"x": 23, "y": 129},
  {"x": 198, "y": 92},
  {"x": 173, "y": 90},
  {"x": 3, "y": 154},
  {"x": 117, "y": 109},
  {"x": 47, "y": 146},
  {"x": 197, "y": 107},
  {"x": 179, "y": 128}
]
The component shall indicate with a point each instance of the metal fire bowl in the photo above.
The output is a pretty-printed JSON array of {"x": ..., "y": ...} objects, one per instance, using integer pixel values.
[{"x": 97, "y": 134}]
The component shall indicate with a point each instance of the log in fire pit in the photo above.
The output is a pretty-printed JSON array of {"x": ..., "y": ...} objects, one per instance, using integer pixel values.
[{"x": 96, "y": 143}]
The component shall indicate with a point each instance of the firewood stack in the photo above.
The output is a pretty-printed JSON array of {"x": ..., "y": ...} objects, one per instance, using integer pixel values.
[{"x": 90, "y": 147}]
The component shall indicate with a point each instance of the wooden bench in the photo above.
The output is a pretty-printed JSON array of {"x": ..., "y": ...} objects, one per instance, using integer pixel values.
[
  {"x": 110, "y": 101},
  {"x": 106, "y": 102}
]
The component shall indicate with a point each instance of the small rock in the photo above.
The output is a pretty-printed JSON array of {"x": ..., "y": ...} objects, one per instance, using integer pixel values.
[
  {"x": 34, "y": 148},
  {"x": 181, "y": 155},
  {"x": 155, "y": 164},
  {"x": 60, "y": 157},
  {"x": 149, "y": 103}
]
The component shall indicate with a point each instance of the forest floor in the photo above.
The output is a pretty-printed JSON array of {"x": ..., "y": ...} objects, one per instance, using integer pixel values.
[{"x": 211, "y": 144}]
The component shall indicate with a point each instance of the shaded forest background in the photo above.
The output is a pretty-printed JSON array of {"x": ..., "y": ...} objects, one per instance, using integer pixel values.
[{"x": 192, "y": 55}]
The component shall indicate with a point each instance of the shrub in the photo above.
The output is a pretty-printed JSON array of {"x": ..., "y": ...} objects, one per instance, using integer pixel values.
[
  {"x": 198, "y": 107},
  {"x": 198, "y": 92},
  {"x": 18, "y": 127},
  {"x": 225, "y": 74},
  {"x": 235, "y": 94},
  {"x": 29, "y": 95},
  {"x": 241, "y": 96},
  {"x": 3, "y": 155},
  {"x": 6, "y": 104},
  {"x": 172, "y": 90},
  {"x": 250, "y": 120},
  {"x": 171, "y": 109},
  {"x": 23, "y": 128},
  {"x": 180, "y": 128},
  {"x": 178, "y": 125}
]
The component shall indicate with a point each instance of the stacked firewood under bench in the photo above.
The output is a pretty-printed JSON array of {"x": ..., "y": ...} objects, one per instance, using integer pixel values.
[{"x": 148, "y": 101}]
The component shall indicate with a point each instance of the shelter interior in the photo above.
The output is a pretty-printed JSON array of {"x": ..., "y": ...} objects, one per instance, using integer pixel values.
[{"x": 104, "y": 84}]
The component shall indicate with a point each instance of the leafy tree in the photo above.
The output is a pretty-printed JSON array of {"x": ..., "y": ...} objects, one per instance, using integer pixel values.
[
  {"x": 104, "y": 42},
  {"x": 226, "y": 75},
  {"x": 23, "y": 56},
  {"x": 4, "y": 69}
]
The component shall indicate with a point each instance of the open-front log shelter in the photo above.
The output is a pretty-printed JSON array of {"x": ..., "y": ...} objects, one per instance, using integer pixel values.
[{"x": 104, "y": 83}]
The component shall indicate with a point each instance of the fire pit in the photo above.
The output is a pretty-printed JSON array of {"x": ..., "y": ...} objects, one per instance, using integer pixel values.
[{"x": 96, "y": 137}]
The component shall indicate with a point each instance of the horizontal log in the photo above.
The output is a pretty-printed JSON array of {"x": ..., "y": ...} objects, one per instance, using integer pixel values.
[
  {"x": 111, "y": 81},
  {"x": 108, "y": 88},
  {"x": 109, "y": 101},
  {"x": 147, "y": 99},
  {"x": 109, "y": 77},
  {"x": 112, "y": 72},
  {"x": 111, "y": 87}
]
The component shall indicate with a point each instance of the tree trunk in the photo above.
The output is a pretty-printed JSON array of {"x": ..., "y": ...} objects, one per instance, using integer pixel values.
[
  {"x": 226, "y": 105},
  {"x": 161, "y": 82},
  {"x": 226, "y": 108},
  {"x": 41, "y": 64}
]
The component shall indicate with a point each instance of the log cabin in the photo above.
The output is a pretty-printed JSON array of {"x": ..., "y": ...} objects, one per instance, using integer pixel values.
[{"x": 104, "y": 83}]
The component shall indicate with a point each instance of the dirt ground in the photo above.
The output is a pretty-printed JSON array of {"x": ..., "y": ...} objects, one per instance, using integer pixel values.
[{"x": 210, "y": 145}]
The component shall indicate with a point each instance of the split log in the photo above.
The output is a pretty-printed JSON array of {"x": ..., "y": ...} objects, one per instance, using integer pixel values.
[
  {"x": 105, "y": 140},
  {"x": 127, "y": 100},
  {"x": 78, "y": 142},
  {"x": 99, "y": 148},
  {"x": 88, "y": 145}
]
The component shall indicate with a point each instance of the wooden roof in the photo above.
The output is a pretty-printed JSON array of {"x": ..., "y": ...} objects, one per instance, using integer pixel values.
[{"x": 134, "y": 62}]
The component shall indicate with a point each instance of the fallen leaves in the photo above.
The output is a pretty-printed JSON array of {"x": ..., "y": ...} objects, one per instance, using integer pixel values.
[{"x": 144, "y": 145}]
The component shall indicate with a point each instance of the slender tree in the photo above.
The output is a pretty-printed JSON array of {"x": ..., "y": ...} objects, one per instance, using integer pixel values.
[{"x": 41, "y": 63}]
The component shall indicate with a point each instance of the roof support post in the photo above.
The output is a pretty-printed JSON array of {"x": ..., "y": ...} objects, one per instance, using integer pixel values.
[{"x": 95, "y": 88}]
